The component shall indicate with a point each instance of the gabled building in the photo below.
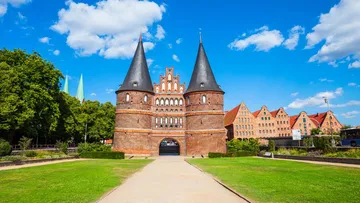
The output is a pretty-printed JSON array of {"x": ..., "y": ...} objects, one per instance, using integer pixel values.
[
  {"x": 266, "y": 123},
  {"x": 327, "y": 122},
  {"x": 240, "y": 123},
  {"x": 282, "y": 122},
  {"x": 303, "y": 123}
]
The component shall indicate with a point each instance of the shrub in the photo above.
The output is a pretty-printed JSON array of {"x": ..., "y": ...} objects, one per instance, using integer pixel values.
[
  {"x": 25, "y": 143},
  {"x": 12, "y": 158},
  {"x": 231, "y": 154},
  {"x": 352, "y": 153},
  {"x": 324, "y": 144},
  {"x": 271, "y": 145},
  {"x": 5, "y": 148},
  {"x": 291, "y": 152},
  {"x": 93, "y": 147},
  {"x": 103, "y": 155},
  {"x": 30, "y": 153},
  {"x": 61, "y": 146},
  {"x": 251, "y": 145}
]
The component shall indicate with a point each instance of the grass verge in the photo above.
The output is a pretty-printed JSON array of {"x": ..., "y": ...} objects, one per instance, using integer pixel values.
[
  {"x": 266, "y": 180},
  {"x": 79, "y": 181}
]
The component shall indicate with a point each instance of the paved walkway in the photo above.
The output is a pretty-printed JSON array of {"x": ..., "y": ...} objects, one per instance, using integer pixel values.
[
  {"x": 38, "y": 164},
  {"x": 170, "y": 179}
]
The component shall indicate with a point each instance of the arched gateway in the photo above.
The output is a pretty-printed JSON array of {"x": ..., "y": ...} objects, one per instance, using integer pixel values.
[{"x": 169, "y": 146}]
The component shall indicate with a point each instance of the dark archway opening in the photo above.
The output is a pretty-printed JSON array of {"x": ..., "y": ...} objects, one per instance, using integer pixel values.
[{"x": 169, "y": 147}]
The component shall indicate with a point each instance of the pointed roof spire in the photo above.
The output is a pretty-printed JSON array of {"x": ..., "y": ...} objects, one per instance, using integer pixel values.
[
  {"x": 66, "y": 85},
  {"x": 202, "y": 78},
  {"x": 80, "y": 91},
  {"x": 200, "y": 37},
  {"x": 138, "y": 77}
]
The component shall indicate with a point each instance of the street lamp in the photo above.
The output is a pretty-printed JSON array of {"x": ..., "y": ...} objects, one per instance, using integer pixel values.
[{"x": 326, "y": 100}]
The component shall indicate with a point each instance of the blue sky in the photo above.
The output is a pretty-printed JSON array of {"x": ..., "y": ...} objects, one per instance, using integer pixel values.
[{"x": 276, "y": 53}]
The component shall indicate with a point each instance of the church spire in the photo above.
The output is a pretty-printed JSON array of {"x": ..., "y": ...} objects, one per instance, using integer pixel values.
[
  {"x": 80, "y": 91},
  {"x": 138, "y": 77},
  {"x": 66, "y": 85},
  {"x": 202, "y": 78}
]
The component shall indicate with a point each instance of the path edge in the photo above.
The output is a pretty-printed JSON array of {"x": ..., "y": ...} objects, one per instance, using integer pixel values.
[{"x": 221, "y": 183}]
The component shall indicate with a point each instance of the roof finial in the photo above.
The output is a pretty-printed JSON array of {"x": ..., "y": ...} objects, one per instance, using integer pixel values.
[
  {"x": 140, "y": 38},
  {"x": 200, "y": 35}
]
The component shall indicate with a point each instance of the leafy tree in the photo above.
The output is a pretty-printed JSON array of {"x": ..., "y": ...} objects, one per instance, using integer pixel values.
[
  {"x": 346, "y": 127},
  {"x": 315, "y": 131},
  {"x": 271, "y": 145},
  {"x": 24, "y": 143}
]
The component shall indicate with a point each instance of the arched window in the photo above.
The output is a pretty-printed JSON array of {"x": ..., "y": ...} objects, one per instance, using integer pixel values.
[
  {"x": 176, "y": 102},
  {"x": 171, "y": 102},
  {"x": 156, "y": 120},
  {"x": 204, "y": 99},
  {"x": 175, "y": 86},
  {"x": 176, "y": 120},
  {"x": 181, "y": 89},
  {"x": 169, "y": 76},
  {"x": 127, "y": 97},
  {"x": 157, "y": 101},
  {"x": 180, "y": 120},
  {"x": 171, "y": 120},
  {"x": 145, "y": 98},
  {"x": 161, "y": 120},
  {"x": 180, "y": 102},
  {"x": 166, "y": 102},
  {"x": 169, "y": 86},
  {"x": 166, "y": 120},
  {"x": 163, "y": 86},
  {"x": 162, "y": 102}
]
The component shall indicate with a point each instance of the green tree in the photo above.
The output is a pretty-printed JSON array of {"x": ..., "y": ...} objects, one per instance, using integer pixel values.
[
  {"x": 271, "y": 145},
  {"x": 346, "y": 127},
  {"x": 29, "y": 89},
  {"x": 24, "y": 143},
  {"x": 315, "y": 131}
]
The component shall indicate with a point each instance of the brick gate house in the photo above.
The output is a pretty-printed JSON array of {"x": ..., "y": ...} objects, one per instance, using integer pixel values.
[{"x": 151, "y": 116}]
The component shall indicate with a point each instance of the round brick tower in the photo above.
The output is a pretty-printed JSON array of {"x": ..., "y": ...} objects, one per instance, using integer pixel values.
[
  {"x": 205, "y": 131},
  {"x": 133, "y": 108}
]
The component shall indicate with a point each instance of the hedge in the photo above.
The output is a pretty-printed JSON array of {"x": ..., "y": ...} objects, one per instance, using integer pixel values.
[
  {"x": 231, "y": 154},
  {"x": 103, "y": 155}
]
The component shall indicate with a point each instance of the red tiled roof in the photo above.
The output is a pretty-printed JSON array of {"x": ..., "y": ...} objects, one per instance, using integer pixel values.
[
  {"x": 319, "y": 117},
  {"x": 293, "y": 120},
  {"x": 273, "y": 113},
  {"x": 256, "y": 113},
  {"x": 231, "y": 115}
]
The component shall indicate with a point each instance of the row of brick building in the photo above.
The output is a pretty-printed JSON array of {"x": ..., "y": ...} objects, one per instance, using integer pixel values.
[{"x": 240, "y": 122}]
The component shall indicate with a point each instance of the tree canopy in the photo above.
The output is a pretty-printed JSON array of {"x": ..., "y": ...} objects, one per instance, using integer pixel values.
[{"x": 32, "y": 105}]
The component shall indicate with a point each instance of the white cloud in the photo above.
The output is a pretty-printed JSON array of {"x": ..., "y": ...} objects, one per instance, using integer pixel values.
[
  {"x": 109, "y": 90},
  {"x": 316, "y": 100},
  {"x": 93, "y": 94},
  {"x": 334, "y": 64},
  {"x": 294, "y": 94},
  {"x": 352, "y": 84},
  {"x": 179, "y": 41},
  {"x": 109, "y": 28},
  {"x": 176, "y": 58},
  {"x": 355, "y": 64},
  {"x": 44, "y": 40},
  {"x": 14, "y": 3},
  {"x": 160, "y": 32},
  {"x": 351, "y": 114},
  {"x": 340, "y": 30},
  {"x": 264, "y": 40},
  {"x": 56, "y": 52},
  {"x": 21, "y": 16},
  {"x": 325, "y": 80},
  {"x": 294, "y": 35},
  {"x": 170, "y": 46},
  {"x": 349, "y": 103},
  {"x": 149, "y": 61}
]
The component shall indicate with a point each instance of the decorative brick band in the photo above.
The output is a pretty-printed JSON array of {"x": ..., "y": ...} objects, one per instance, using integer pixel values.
[
  {"x": 133, "y": 111},
  {"x": 132, "y": 151},
  {"x": 197, "y": 113},
  {"x": 210, "y": 131},
  {"x": 169, "y": 132},
  {"x": 133, "y": 130}
]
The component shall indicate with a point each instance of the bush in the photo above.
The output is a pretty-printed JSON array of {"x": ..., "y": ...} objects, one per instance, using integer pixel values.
[
  {"x": 324, "y": 144},
  {"x": 61, "y": 146},
  {"x": 93, "y": 147},
  {"x": 236, "y": 145},
  {"x": 24, "y": 143},
  {"x": 31, "y": 153},
  {"x": 103, "y": 155},
  {"x": 271, "y": 145},
  {"x": 291, "y": 152},
  {"x": 5, "y": 148},
  {"x": 12, "y": 158},
  {"x": 231, "y": 154},
  {"x": 352, "y": 153}
]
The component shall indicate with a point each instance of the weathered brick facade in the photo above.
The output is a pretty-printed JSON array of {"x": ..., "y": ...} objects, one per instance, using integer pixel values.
[{"x": 146, "y": 116}]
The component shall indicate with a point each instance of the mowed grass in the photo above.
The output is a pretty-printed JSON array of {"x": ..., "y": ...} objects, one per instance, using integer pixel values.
[
  {"x": 79, "y": 181},
  {"x": 266, "y": 180}
]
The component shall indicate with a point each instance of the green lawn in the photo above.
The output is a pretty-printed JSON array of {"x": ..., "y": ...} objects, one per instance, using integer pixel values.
[
  {"x": 79, "y": 181},
  {"x": 266, "y": 180}
]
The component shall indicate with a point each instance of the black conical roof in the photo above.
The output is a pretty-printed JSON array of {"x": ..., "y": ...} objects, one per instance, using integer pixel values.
[
  {"x": 202, "y": 78},
  {"x": 138, "y": 77}
]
